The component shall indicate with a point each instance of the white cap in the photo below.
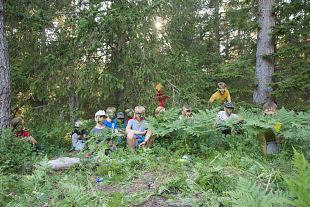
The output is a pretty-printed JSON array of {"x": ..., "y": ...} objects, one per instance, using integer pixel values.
[
  {"x": 100, "y": 113},
  {"x": 77, "y": 124}
]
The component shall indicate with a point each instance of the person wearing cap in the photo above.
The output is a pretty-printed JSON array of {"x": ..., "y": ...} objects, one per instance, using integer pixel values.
[
  {"x": 137, "y": 131},
  {"x": 119, "y": 121},
  {"x": 222, "y": 94},
  {"x": 108, "y": 122},
  {"x": 100, "y": 116},
  {"x": 270, "y": 139},
  {"x": 119, "y": 126},
  {"x": 17, "y": 125},
  {"x": 227, "y": 115},
  {"x": 78, "y": 137}
]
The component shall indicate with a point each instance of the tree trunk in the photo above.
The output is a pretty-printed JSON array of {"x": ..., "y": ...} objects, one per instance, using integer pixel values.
[
  {"x": 73, "y": 103},
  {"x": 217, "y": 17},
  {"x": 265, "y": 47},
  {"x": 5, "y": 88}
]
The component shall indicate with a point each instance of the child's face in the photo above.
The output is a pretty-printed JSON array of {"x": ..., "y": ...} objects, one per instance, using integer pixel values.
[
  {"x": 188, "y": 112},
  {"x": 120, "y": 120},
  {"x": 101, "y": 119},
  {"x": 229, "y": 111},
  {"x": 111, "y": 115},
  {"x": 270, "y": 111},
  {"x": 160, "y": 113},
  {"x": 139, "y": 116}
]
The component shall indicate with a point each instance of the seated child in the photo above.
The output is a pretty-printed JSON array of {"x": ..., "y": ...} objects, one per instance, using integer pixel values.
[
  {"x": 78, "y": 137},
  {"x": 269, "y": 139},
  {"x": 137, "y": 132},
  {"x": 159, "y": 111},
  {"x": 18, "y": 128},
  {"x": 186, "y": 113},
  {"x": 108, "y": 122},
  {"x": 226, "y": 115}
]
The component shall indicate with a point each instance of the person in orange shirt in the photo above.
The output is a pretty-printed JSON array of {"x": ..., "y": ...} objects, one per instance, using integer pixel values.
[{"x": 222, "y": 94}]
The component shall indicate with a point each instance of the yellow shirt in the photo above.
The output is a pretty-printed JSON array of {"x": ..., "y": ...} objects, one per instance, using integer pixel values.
[{"x": 218, "y": 97}]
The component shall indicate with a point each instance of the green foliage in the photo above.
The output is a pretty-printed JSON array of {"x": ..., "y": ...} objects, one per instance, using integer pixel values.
[
  {"x": 292, "y": 55},
  {"x": 200, "y": 134},
  {"x": 298, "y": 184},
  {"x": 175, "y": 186},
  {"x": 247, "y": 193},
  {"x": 111, "y": 168},
  {"x": 17, "y": 154},
  {"x": 213, "y": 179}
]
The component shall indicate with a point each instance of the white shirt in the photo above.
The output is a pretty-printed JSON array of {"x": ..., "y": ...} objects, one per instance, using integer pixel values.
[{"x": 222, "y": 117}]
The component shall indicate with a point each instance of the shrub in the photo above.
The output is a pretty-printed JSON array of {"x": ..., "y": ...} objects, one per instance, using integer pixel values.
[
  {"x": 16, "y": 153},
  {"x": 299, "y": 183}
]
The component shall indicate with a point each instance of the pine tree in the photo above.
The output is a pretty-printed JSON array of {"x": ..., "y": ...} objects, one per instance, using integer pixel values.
[
  {"x": 5, "y": 88},
  {"x": 265, "y": 48}
]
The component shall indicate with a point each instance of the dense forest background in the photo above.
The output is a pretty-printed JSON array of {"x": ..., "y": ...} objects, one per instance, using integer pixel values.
[{"x": 70, "y": 58}]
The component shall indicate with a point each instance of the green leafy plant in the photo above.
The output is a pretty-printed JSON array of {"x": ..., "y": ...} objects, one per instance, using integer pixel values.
[
  {"x": 17, "y": 154},
  {"x": 299, "y": 183},
  {"x": 247, "y": 193}
]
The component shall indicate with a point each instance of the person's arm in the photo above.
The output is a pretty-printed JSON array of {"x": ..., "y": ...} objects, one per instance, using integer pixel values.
[
  {"x": 32, "y": 140},
  {"x": 139, "y": 133},
  {"x": 147, "y": 137},
  {"x": 212, "y": 98},
  {"x": 128, "y": 128}
]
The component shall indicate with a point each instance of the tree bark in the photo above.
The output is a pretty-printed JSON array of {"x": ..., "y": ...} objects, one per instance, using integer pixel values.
[
  {"x": 217, "y": 17},
  {"x": 264, "y": 64},
  {"x": 5, "y": 88},
  {"x": 73, "y": 103}
]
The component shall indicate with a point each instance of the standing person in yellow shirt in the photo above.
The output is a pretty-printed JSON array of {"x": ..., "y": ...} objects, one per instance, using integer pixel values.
[{"x": 222, "y": 94}]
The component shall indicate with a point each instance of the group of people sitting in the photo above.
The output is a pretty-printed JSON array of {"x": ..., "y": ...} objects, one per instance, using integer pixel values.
[{"x": 131, "y": 127}]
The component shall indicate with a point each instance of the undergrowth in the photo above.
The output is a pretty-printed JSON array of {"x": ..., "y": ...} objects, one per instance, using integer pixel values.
[{"x": 191, "y": 164}]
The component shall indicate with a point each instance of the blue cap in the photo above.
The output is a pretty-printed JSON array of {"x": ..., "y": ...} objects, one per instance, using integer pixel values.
[
  {"x": 120, "y": 115},
  {"x": 229, "y": 105}
]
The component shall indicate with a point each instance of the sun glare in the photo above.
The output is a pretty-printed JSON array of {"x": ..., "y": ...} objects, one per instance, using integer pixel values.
[{"x": 158, "y": 25}]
